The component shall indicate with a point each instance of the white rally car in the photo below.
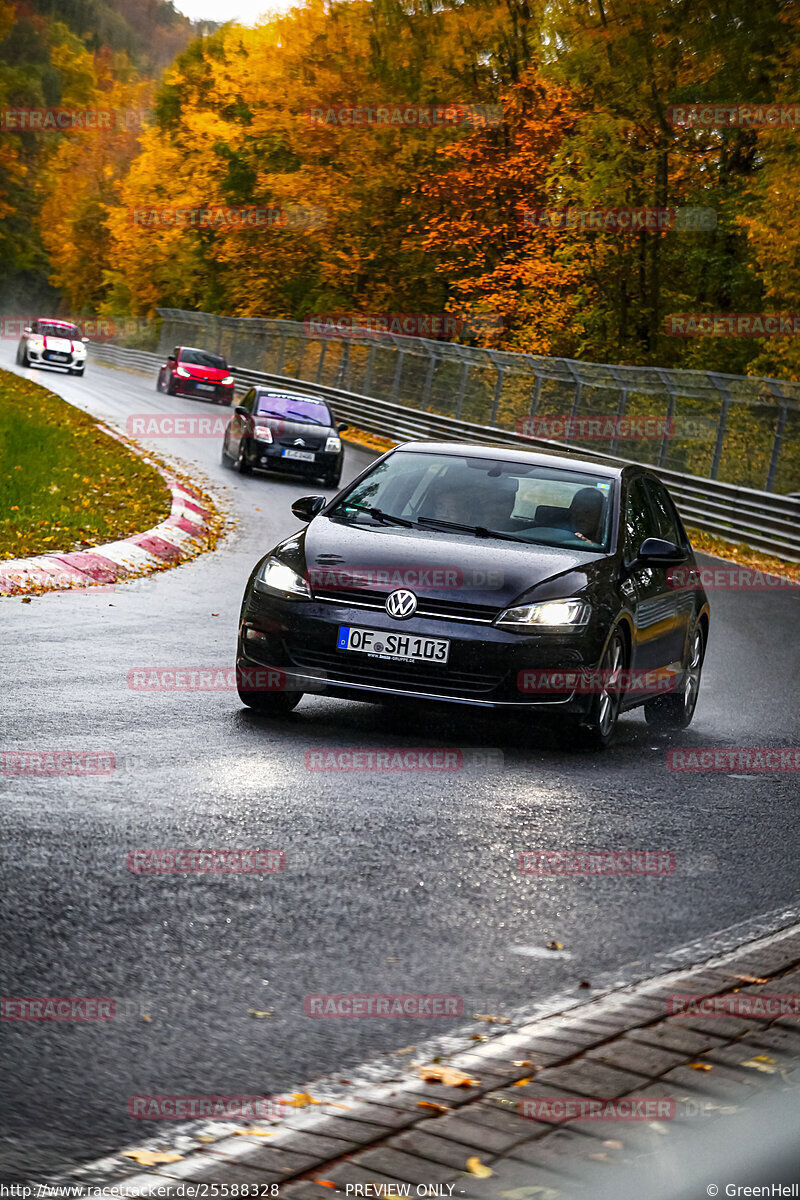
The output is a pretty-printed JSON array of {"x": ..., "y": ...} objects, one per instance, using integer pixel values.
[{"x": 53, "y": 343}]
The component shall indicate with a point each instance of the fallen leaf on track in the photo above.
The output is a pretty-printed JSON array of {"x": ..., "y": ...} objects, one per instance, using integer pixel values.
[
  {"x": 522, "y": 1082},
  {"x": 555, "y": 946},
  {"x": 761, "y": 1063},
  {"x": 492, "y": 1020},
  {"x": 255, "y": 1132},
  {"x": 255, "y": 1012},
  {"x": 450, "y": 1076},
  {"x": 751, "y": 979},
  {"x": 149, "y": 1158},
  {"x": 436, "y": 1107},
  {"x": 405, "y": 1050},
  {"x": 521, "y": 1062},
  {"x": 701, "y": 1066},
  {"x": 476, "y": 1167}
]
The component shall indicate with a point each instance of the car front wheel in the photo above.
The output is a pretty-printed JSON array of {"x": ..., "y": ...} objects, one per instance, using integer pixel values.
[
  {"x": 596, "y": 729},
  {"x": 271, "y": 704},
  {"x": 242, "y": 465},
  {"x": 675, "y": 711}
]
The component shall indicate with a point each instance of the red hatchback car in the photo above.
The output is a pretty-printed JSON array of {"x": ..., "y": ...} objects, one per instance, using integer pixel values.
[{"x": 197, "y": 373}]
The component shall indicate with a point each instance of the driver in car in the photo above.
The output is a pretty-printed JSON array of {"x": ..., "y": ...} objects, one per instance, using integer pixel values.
[{"x": 585, "y": 512}]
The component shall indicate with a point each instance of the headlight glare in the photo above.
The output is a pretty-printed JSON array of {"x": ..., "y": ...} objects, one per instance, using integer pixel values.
[
  {"x": 549, "y": 614},
  {"x": 227, "y": 380},
  {"x": 275, "y": 578},
  {"x": 184, "y": 374}
]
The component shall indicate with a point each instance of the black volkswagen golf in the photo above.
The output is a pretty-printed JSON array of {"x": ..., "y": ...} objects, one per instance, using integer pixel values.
[
  {"x": 484, "y": 576},
  {"x": 277, "y": 430}
]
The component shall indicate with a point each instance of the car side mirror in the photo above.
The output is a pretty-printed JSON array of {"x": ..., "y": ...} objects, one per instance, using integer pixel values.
[
  {"x": 241, "y": 411},
  {"x": 342, "y": 426},
  {"x": 84, "y": 339},
  {"x": 27, "y": 329},
  {"x": 307, "y": 507},
  {"x": 658, "y": 552},
  {"x": 171, "y": 358}
]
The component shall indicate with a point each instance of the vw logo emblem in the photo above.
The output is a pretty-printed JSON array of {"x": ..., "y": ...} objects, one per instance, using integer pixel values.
[{"x": 401, "y": 604}]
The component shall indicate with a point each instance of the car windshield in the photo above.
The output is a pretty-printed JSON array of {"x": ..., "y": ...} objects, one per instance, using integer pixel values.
[
  {"x": 295, "y": 408},
  {"x": 484, "y": 497},
  {"x": 201, "y": 358},
  {"x": 48, "y": 329}
]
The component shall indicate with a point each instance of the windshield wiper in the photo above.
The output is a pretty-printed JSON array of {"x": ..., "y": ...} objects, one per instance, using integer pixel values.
[
  {"x": 379, "y": 515},
  {"x": 476, "y": 530},
  {"x": 292, "y": 412}
]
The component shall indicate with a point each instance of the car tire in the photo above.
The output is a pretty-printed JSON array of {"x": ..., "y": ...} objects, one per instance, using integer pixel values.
[
  {"x": 270, "y": 704},
  {"x": 596, "y": 730},
  {"x": 332, "y": 481},
  {"x": 242, "y": 465},
  {"x": 76, "y": 370},
  {"x": 160, "y": 382},
  {"x": 667, "y": 714},
  {"x": 23, "y": 359},
  {"x": 170, "y": 387},
  {"x": 227, "y": 460}
]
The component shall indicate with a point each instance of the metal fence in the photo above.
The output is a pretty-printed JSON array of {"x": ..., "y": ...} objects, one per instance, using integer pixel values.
[
  {"x": 767, "y": 522},
  {"x": 737, "y": 429}
]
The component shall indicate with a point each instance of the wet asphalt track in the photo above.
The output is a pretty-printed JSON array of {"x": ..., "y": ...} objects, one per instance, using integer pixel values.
[{"x": 393, "y": 883}]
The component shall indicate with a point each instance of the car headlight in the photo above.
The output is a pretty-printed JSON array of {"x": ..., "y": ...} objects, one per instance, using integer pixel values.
[
  {"x": 227, "y": 380},
  {"x": 184, "y": 374},
  {"x": 36, "y": 343},
  {"x": 333, "y": 445},
  {"x": 79, "y": 348},
  {"x": 262, "y": 433},
  {"x": 276, "y": 579},
  {"x": 549, "y": 614}
]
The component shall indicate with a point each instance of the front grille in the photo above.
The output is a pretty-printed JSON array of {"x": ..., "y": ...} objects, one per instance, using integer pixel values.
[
  {"x": 309, "y": 443},
  {"x": 416, "y": 678},
  {"x": 442, "y": 610}
]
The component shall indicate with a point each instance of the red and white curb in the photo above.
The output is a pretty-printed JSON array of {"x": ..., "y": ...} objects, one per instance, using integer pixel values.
[{"x": 165, "y": 545}]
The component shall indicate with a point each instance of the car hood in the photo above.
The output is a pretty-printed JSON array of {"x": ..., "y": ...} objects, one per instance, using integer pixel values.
[
  {"x": 436, "y": 565},
  {"x": 209, "y": 374},
  {"x": 65, "y": 343}
]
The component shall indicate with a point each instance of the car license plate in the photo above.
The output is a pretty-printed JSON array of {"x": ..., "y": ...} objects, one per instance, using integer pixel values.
[
  {"x": 393, "y": 645},
  {"x": 206, "y": 387},
  {"x": 300, "y": 455},
  {"x": 57, "y": 357}
]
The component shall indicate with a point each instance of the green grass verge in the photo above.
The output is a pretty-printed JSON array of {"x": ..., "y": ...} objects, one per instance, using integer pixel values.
[{"x": 64, "y": 483}]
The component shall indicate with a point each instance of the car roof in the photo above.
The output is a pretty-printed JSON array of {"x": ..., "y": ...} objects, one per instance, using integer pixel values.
[
  {"x": 599, "y": 466},
  {"x": 201, "y": 350},
  {"x": 57, "y": 321}
]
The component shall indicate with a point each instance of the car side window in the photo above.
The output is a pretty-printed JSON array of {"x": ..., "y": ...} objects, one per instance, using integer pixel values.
[
  {"x": 666, "y": 517},
  {"x": 640, "y": 521}
]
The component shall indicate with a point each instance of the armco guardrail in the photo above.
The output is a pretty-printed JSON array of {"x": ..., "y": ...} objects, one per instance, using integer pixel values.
[
  {"x": 763, "y": 520},
  {"x": 741, "y": 430}
]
